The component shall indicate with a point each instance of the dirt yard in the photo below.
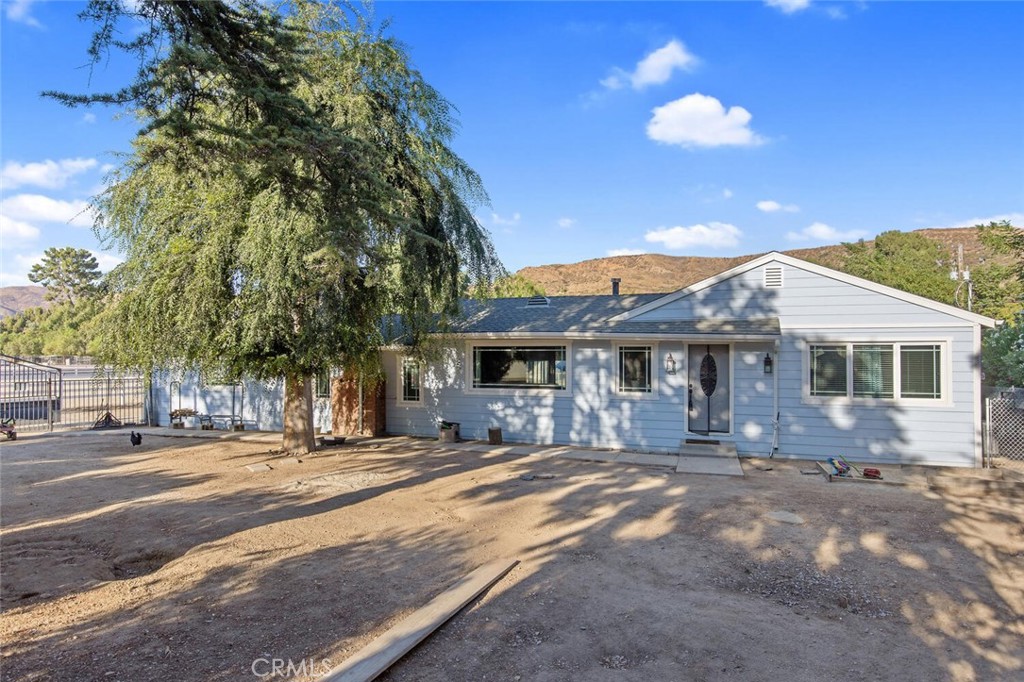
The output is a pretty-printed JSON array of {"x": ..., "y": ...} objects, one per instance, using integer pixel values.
[{"x": 174, "y": 561}]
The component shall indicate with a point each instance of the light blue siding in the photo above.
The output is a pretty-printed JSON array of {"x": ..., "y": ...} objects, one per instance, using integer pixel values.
[
  {"x": 806, "y": 298},
  {"x": 260, "y": 403},
  {"x": 811, "y": 307},
  {"x": 591, "y": 413},
  {"x": 888, "y": 432}
]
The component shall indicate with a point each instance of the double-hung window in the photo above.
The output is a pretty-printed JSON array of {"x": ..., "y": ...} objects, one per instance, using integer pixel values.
[
  {"x": 634, "y": 369},
  {"x": 411, "y": 381},
  {"x": 887, "y": 371}
]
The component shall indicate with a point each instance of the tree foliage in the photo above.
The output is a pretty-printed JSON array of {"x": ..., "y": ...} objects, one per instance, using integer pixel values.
[
  {"x": 69, "y": 274},
  {"x": 293, "y": 184},
  {"x": 904, "y": 260},
  {"x": 1003, "y": 354},
  {"x": 62, "y": 329},
  {"x": 511, "y": 286},
  {"x": 1002, "y": 237},
  {"x": 1000, "y": 287}
]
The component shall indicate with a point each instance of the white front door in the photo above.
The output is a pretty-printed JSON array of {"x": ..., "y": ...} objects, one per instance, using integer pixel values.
[{"x": 708, "y": 409}]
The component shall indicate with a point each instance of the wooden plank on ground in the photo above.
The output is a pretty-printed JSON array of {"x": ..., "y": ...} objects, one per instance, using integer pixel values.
[{"x": 385, "y": 650}]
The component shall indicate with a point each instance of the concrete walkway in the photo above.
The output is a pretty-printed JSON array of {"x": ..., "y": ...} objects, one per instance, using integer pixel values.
[{"x": 719, "y": 466}]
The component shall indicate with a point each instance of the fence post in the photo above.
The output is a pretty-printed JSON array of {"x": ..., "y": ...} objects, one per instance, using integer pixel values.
[
  {"x": 986, "y": 436},
  {"x": 49, "y": 403}
]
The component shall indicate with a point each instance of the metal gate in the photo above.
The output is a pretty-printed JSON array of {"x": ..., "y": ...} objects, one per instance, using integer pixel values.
[
  {"x": 44, "y": 398},
  {"x": 1004, "y": 432},
  {"x": 29, "y": 394}
]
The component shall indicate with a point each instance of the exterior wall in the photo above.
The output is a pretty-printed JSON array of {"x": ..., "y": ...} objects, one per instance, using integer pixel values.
[
  {"x": 810, "y": 307},
  {"x": 589, "y": 413},
  {"x": 260, "y": 403},
  {"x": 886, "y": 432},
  {"x": 345, "y": 409},
  {"x": 806, "y": 298}
]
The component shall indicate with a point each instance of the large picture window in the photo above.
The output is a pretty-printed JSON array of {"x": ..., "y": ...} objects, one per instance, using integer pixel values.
[
  {"x": 519, "y": 367},
  {"x": 410, "y": 380},
  {"x": 876, "y": 370},
  {"x": 635, "y": 369}
]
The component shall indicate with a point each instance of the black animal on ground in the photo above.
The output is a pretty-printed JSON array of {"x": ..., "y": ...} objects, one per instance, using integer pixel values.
[{"x": 135, "y": 438}]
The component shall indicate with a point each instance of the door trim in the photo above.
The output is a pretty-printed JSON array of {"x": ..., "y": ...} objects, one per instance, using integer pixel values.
[{"x": 732, "y": 390}]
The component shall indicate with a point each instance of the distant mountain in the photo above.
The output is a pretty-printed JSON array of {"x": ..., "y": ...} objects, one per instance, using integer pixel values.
[
  {"x": 15, "y": 299},
  {"x": 656, "y": 273}
]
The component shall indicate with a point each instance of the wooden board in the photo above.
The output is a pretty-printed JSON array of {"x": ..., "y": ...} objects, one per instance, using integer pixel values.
[{"x": 385, "y": 650}]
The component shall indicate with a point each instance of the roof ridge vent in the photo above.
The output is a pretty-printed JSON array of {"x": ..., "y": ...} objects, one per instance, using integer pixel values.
[{"x": 536, "y": 301}]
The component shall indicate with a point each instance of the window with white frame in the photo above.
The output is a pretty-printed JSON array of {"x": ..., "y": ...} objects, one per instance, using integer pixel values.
[
  {"x": 323, "y": 383},
  {"x": 635, "y": 369},
  {"x": 411, "y": 380},
  {"x": 905, "y": 371},
  {"x": 519, "y": 367}
]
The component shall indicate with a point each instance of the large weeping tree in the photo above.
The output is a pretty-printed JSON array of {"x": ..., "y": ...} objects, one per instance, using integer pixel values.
[{"x": 291, "y": 188}]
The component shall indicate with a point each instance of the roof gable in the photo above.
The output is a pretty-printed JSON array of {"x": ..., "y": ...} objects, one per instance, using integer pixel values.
[{"x": 821, "y": 270}]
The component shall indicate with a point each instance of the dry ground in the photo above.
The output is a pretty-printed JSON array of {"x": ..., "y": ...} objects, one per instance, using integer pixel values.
[{"x": 172, "y": 561}]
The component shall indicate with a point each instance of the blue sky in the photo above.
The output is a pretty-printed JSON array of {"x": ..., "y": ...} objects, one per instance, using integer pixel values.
[{"x": 604, "y": 128}]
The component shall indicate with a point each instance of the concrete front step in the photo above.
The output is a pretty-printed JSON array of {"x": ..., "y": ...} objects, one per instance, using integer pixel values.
[{"x": 707, "y": 449}]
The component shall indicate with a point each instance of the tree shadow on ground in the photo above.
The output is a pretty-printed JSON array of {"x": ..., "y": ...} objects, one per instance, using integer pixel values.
[{"x": 626, "y": 574}]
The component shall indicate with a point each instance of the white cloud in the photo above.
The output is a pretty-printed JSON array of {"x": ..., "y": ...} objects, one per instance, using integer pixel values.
[
  {"x": 713, "y": 235},
  {"x": 654, "y": 69},
  {"x": 498, "y": 220},
  {"x": 727, "y": 193},
  {"x": 16, "y": 231},
  {"x": 106, "y": 261},
  {"x": 39, "y": 208},
  {"x": 626, "y": 252},
  {"x": 820, "y": 232},
  {"x": 788, "y": 6},
  {"x": 566, "y": 223},
  {"x": 49, "y": 174},
  {"x": 16, "y": 272},
  {"x": 701, "y": 121},
  {"x": 1016, "y": 219},
  {"x": 770, "y": 206},
  {"x": 20, "y": 11},
  {"x": 88, "y": 117}
]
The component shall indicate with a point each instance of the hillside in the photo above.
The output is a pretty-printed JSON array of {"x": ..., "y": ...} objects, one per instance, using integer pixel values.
[
  {"x": 15, "y": 299},
  {"x": 656, "y": 273}
]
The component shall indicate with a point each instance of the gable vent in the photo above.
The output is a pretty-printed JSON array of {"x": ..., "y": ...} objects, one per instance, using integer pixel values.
[
  {"x": 773, "y": 277},
  {"x": 536, "y": 301}
]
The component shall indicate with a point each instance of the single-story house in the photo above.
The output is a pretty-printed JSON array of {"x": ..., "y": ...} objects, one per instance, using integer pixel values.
[{"x": 777, "y": 355}]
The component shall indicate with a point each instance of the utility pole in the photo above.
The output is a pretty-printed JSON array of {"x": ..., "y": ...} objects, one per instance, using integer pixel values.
[{"x": 962, "y": 276}]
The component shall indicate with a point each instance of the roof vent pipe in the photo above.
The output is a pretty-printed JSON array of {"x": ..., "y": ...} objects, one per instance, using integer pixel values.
[{"x": 615, "y": 286}]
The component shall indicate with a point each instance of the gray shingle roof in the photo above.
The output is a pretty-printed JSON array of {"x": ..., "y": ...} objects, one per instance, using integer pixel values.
[{"x": 590, "y": 315}]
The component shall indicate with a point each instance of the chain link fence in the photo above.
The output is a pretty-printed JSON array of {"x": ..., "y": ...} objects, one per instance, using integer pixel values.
[{"x": 1004, "y": 433}]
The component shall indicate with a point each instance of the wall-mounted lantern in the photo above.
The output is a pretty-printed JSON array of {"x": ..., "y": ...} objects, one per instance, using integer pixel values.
[
  {"x": 767, "y": 363},
  {"x": 670, "y": 364}
]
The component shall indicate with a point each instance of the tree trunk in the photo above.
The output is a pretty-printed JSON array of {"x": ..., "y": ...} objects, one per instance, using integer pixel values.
[{"x": 298, "y": 416}]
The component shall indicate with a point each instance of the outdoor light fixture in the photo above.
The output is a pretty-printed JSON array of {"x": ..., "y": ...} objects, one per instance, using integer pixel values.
[
  {"x": 670, "y": 364},
  {"x": 767, "y": 363}
]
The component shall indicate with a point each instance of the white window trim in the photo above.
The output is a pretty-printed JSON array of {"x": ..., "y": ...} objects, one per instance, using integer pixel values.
[
  {"x": 945, "y": 346},
  {"x": 656, "y": 361},
  {"x": 519, "y": 391},
  {"x": 402, "y": 359}
]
